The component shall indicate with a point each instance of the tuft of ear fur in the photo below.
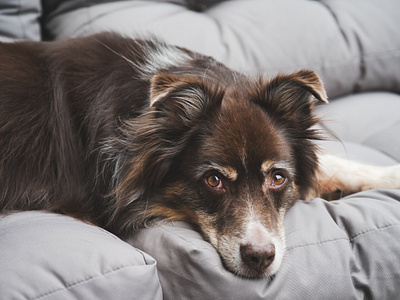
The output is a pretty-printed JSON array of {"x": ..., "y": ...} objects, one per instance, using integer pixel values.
[
  {"x": 161, "y": 85},
  {"x": 178, "y": 107},
  {"x": 289, "y": 100},
  {"x": 182, "y": 101},
  {"x": 310, "y": 81},
  {"x": 292, "y": 97}
]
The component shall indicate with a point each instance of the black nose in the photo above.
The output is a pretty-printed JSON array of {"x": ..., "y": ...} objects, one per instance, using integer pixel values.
[{"x": 257, "y": 257}]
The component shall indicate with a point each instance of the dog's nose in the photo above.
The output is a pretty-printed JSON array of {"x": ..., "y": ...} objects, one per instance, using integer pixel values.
[{"x": 258, "y": 257}]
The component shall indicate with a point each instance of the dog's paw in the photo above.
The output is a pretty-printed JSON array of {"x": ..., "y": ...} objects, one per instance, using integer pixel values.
[{"x": 384, "y": 178}]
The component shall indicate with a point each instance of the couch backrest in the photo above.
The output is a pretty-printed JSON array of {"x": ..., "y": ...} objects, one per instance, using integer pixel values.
[
  {"x": 353, "y": 44},
  {"x": 19, "y": 20}
]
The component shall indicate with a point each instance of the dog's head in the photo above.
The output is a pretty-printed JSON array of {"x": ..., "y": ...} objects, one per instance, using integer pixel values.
[{"x": 231, "y": 158}]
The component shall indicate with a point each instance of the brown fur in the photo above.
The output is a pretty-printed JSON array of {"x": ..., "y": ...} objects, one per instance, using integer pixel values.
[{"x": 124, "y": 132}]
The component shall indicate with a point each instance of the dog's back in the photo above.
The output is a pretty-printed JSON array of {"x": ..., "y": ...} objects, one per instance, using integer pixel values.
[
  {"x": 57, "y": 101},
  {"x": 37, "y": 145},
  {"x": 61, "y": 104},
  {"x": 121, "y": 132}
]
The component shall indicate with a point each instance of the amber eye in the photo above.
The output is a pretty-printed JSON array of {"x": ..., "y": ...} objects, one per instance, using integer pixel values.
[
  {"x": 214, "y": 181},
  {"x": 278, "y": 180}
]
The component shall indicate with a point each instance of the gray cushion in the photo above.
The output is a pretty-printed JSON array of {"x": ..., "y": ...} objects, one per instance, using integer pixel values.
[
  {"x": 357, "y": 152},
  {"x": 346, "y": 249},
  {"x": 338, "y": 250},
  {"x": 368, "y": 119},
  {"x": 49, "y": 256},
  {"x": 354, "y": 45},
  {"x": 19, "y": 20}
]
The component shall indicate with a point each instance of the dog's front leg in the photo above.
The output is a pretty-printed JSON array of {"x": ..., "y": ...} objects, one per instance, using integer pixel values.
[{"x": 338, "y": 174}]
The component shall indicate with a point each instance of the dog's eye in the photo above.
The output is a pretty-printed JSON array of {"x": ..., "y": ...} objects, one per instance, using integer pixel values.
[
  {"x": 278, "y": 180},
  {"x": 214, "y": 181}
]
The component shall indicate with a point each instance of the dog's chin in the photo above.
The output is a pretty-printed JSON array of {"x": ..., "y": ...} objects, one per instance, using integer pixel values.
[{"x": 229, "y": 249}]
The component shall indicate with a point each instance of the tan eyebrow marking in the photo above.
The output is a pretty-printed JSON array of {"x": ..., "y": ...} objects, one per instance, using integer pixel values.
[
  {"x": 267, "y": 165},
  {"x": 226, "y": 171},
  {"x": 229, "y": 172}
]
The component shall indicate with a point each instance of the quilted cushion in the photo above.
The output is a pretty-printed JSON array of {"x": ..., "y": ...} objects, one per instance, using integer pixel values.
[
  {"x": 354, "y": 44},
  {"x": 49, "y": 256},
  {"x": 346, "y": 249},
  {"x": 368, "y": 119},
  {"x": 19, "y": 20}
]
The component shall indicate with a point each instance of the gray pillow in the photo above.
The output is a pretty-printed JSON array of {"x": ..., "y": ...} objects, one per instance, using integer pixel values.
[
  {"x": 353, "y": 116},
  {"x": 19, "y": 20},
  {"x": 50, "y": 256},
  {"x": 354, "y": 45},
  {"x": 346, "y": 249}
]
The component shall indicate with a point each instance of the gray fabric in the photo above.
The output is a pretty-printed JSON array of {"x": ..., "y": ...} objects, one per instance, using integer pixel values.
[
  {"x": 370, "y": 119},
  {"x": 354, "y": 45},
  {"x": 340, "y": 250},
  {"x": 346, "y": 249},
  {"x": 62, "y": 6},
  {"x": 356, "y": 152},
  {"x": 49, "y": 256},
  {"x": 19, "y": 20},
  {"x": 370, "y": 29}
]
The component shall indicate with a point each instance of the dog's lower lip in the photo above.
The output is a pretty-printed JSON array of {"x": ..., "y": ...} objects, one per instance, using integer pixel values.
[{"x": 254, "y": 273}]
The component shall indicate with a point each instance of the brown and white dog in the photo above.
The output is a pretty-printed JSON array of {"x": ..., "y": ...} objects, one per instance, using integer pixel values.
[{"x": 123, "y": 132}]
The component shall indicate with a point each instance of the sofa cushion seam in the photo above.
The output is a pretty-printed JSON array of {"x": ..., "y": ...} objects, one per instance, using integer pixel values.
[
  {"x": 72, "y": 285},
  {"x": 349, "y": 239},
  {"x": 372, "y": 230},
  {"x": 316, "y": 243}
]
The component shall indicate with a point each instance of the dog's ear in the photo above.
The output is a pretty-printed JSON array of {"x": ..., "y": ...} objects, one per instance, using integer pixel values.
[
  {"x": 160, "y": 134},
  {"x": 301, "y": 81},
  {"x": 292, "y": 97},
  {"x": 182, "y": 100},
  {"x": 289, "y": 101},
  {"x": 306, "y": 80}
]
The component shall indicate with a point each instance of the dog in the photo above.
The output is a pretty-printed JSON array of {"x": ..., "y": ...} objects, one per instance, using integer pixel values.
[{"x": 125, "y": 132}]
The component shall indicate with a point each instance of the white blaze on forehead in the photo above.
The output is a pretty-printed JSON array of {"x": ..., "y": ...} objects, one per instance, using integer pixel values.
[{"x": 257, "y": 233}]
